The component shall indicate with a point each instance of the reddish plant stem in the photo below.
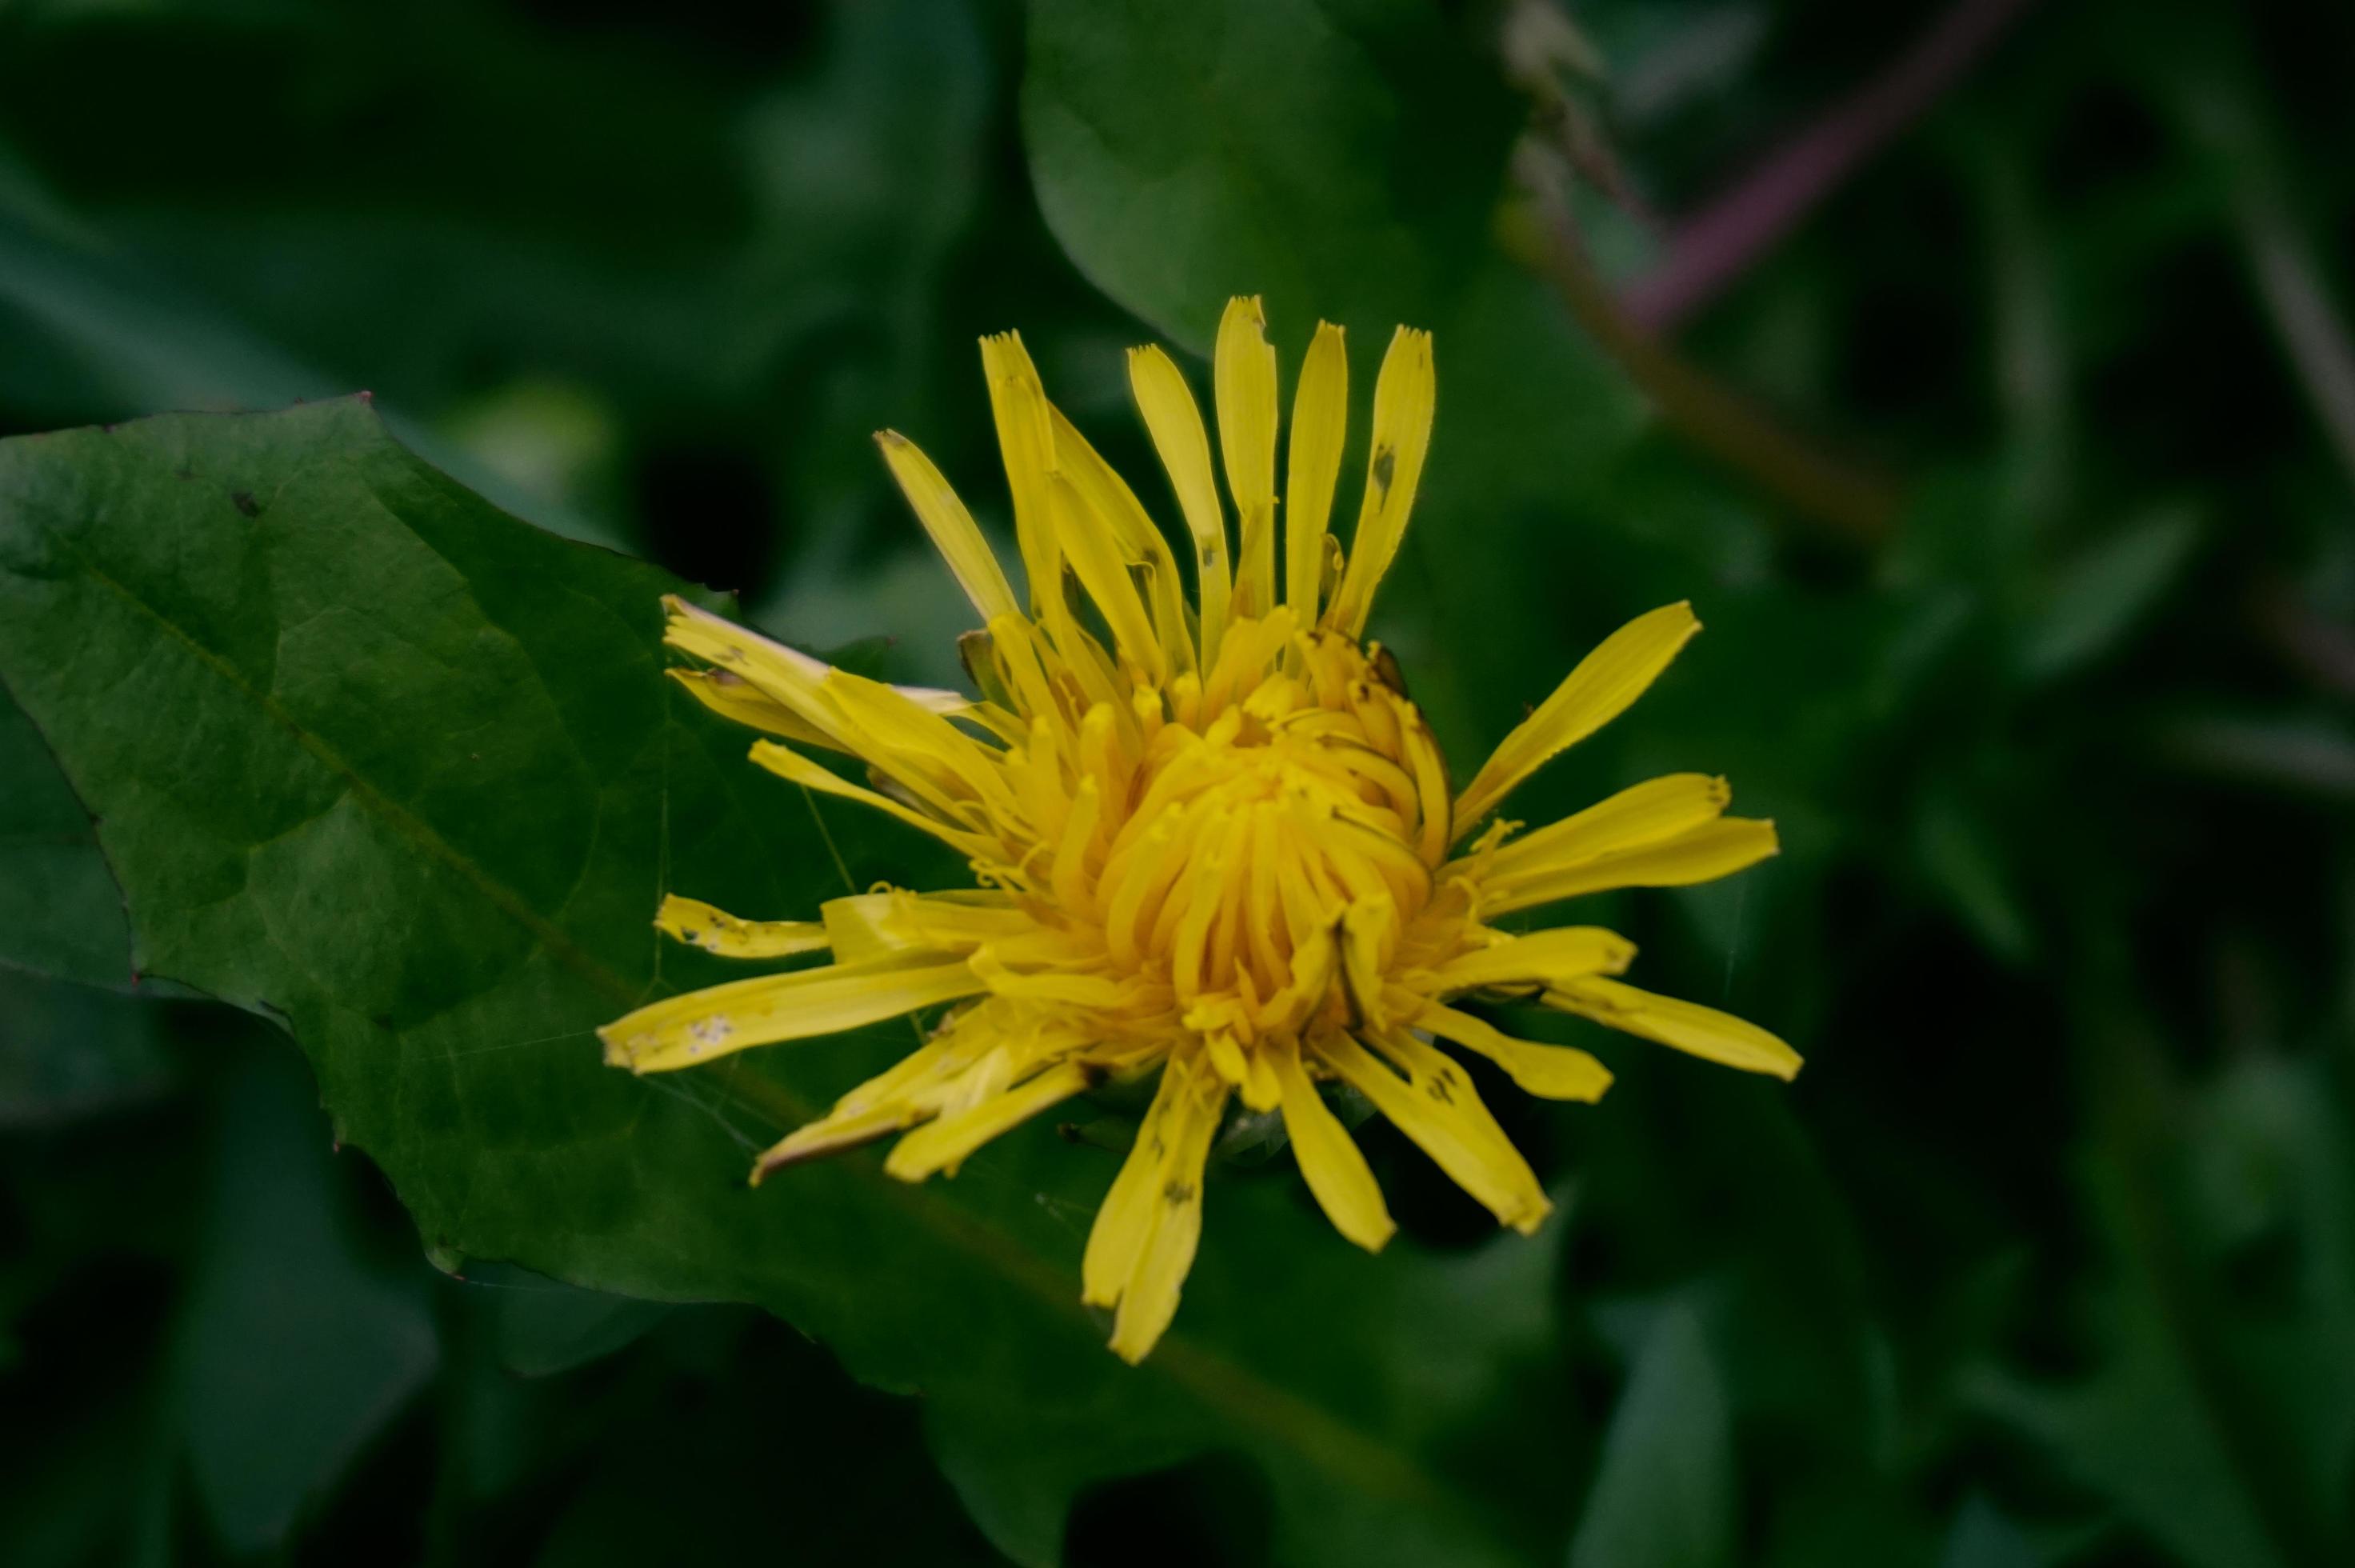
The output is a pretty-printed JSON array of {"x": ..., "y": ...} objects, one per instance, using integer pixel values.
[
  {"x": 1857, "y": 505},
  {"x": 1708, "y": 252}
]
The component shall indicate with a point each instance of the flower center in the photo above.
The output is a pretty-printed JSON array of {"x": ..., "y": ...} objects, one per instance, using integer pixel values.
[{"x": 1258, "y": 852}]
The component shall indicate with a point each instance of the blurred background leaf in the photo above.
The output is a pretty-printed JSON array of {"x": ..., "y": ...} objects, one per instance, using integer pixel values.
[
  {"x": 292, "y": 1351},
  {"x": 1663, "y": 1489}
]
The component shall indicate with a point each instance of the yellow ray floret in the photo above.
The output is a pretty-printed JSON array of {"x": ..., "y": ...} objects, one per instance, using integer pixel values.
[
  {"x": 699, "y": 924},
  {"x": 1211, "y": 837}
]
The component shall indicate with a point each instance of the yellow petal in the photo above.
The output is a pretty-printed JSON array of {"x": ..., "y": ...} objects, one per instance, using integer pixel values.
[
  {"x": 1088, "y": 542},
  {"x": 878, "y": 925},
  {"x": 944, "y": 1145},
  {"x": 1026, "y": 442},
  {"x": 919, "y": 747},
  {"x": 929, "y": 1080},
  {"x": 788, "y": 764},
  {"x": 1175, "y": 422},
  {"x": 1074, "y": 892},
  {"x": 1124, "y": 1222},
  {"x": 1549, "y": 1071},
  {"x": 1541, "y": 957},
  {"x": 1026, "y": 445},
  {"x": 1404, "y": 395},
  {"x": 1255, "y": 579},
  {"x": 1641, "y": 814},
  {"x": 1434, "y": 801},
  {"x": 1244, "y": 372},
  {"x": 817, "y": 694},
  {"x": 788, "y": 676},
  {"x": 1714, "y": 850},
  {"x": 1603, "y": 686},
  {"x": 783, "y": 672},
  {"x": 1320, "y": 427},
  {"x": 1227, "y": 1057},
  {"x": 1686, "y": 1026},
  {"x": 684, "y": 1030},
  {"x": 950, "y": 527},
  {"x": 1261, "y": 1089},
  {"x": 1329, "y": 1159},
  {"x": 1108, "y": 497},
  {"x": 1021, "y": 655},
  {"x": 1243, "y": 1067},
  {"x": 1149, "y": 1299},
  {"x": 1244, "y": 376},
  {"x": 1078, "y": 990},
  {"x": 1363, "y": 927},
  {"x": 831, "y": 1136},
  {"x": 1435, "y": 1104},
  {"x": 733, "y": 698},
  {"x": 699, "y": 925}
]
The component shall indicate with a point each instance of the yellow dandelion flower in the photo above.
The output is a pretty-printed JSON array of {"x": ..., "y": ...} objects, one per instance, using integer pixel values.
[{"x": 1214, "y": 837}]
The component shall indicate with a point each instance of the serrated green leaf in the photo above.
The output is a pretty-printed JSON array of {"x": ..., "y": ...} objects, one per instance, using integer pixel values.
[{"x": 377, "y": 761}]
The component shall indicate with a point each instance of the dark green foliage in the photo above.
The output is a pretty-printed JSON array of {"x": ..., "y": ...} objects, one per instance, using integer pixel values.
[{"x": 2049, "y": 1257}]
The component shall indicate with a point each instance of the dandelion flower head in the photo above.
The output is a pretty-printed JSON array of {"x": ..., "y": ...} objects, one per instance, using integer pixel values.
[{"x": 1211, "y": 837}]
